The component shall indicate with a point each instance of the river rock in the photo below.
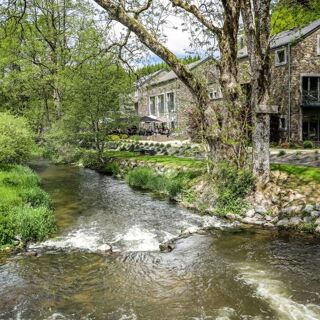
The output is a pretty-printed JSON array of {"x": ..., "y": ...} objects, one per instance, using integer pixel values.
[
  {"x": 258, "y": 216},
  {"x": 269, "y": 225},
  {"x": 307, "y": 219},
  {"x": 231, "y": 216},
  {"x": 190, "y": 230},
  {"x": 268, "y": 218},
  {"x": 317, "y": 229},
  {"x": 167, "y": 246},
  {"x": 317, "y": 222},
  {"x": 261, "y": 210},
  {"x": 292, "y": 209},
  {"x": 250, "y": 213},
  {"x": 104, "y": 249},
  {"x": 308, "y": 208},
  {"x": 315, "y": 214},
  {"x": 294, "y": 221},
  {"x": 31, "y": 253},
  {"x": 283, "y": 222},
  {"x": 317, "y": 206},
  {"x": 249, "y": 220}
]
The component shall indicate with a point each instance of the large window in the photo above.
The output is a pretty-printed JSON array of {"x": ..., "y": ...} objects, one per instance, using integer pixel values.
[
  {"x": 281, "y": 57},
  {"x": 311, "y": 125},
  {"x": 311, "y": 91},
  {"x": 152, "y": 106},
  {"x": 161, "y": 105},
  {"x": 170, "y": 102},
  {"x": 215, "y": 93}
]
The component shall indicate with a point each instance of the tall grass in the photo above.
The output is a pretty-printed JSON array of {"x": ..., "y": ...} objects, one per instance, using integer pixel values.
[
  {"x": 25, "y": 209},
  {"x": 148, "y": 179}
]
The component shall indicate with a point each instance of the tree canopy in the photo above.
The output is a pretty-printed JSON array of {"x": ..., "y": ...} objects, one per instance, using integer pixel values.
[{"x": 288, "y": 14}]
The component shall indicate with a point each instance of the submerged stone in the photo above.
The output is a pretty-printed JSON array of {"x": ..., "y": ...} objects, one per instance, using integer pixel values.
[
  {"x": 283, "y": 222},
  {"x": 105, "y": 248}
]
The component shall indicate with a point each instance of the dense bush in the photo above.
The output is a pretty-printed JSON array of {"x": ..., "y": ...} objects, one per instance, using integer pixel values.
[
  {"x": 233, "y": 186},
  {"x": 16, "y": 140},
  {"x": 25, "y": 209},
  {"x": 112, "y": 168},
  {"x": 308, "y": 144},
  {"x": 149, "y": 179}
]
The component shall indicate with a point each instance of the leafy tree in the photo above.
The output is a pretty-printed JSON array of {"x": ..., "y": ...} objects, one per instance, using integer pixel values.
[
  {"x": 16, "y": 139},
  {"x": 94, "y": 105},
  {"x": 288, "y": 14}
]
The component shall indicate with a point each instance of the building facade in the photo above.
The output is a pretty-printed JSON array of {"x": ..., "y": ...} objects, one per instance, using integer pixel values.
[{"x": 295, "y": 87}]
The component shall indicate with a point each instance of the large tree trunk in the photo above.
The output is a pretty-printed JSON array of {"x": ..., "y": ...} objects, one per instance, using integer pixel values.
[{"x": 256, "y": 17}]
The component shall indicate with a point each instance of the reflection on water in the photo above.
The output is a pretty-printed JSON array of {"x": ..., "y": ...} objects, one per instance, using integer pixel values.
[{"x": 221, "y": 275}]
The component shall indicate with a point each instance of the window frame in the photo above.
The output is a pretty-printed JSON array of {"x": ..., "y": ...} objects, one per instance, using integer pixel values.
[
  {"x": 158, "y": 104},
  {"x": 216, "y": 89},
  {"x": 277, "y": 62},
  {"x": 173, "y": 101},
  {"x": 155, "y": 106}
]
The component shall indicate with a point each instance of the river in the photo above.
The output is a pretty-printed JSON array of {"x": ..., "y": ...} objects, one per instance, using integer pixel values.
[{"x": 223, "y": 274}]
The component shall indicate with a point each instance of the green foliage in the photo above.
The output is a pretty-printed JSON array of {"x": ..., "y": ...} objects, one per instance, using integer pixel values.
[
  {"x": 171, "y": 185},
  {"x": 90, "y": 159},
  {"x": 112, "y": 168},
  {"x": 288, "y": 14},
  {"x": 25, "y": 209},
  {"x": 302, "y": 172},
  {"x": 152, "y": 68},
  {"x": 16, "y": 140},
  {"x": 141, "y": 178},
  {"x": 281, "y": 153},
  {"x": 232, "y": 186},
  {"x": 308, "y": 144}
]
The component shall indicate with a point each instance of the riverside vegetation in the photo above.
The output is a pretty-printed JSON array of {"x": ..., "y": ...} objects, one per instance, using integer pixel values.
[
  {"x": 25, "y": 209},
  {"x": 289, "y": 201}
]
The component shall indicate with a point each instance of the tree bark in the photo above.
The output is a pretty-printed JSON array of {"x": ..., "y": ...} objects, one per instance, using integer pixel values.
[{"x": 256, "y": 17}]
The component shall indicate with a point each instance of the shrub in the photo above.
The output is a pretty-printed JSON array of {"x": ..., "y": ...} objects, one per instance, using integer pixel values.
[
  {"x": 135, "y": 138},
  {"x": 112, "y": 168},
  {"x": 308, "y": 144},
  {"x": 293, "y": 145},
  {"x": 90, "y": 159},
  {"x": 123, "y": 136},
  {"x": 233, "y": 186},
  {"x": 140, "y": 177},
  {"x": 16, "y": 140},
  {"x": 114, "y": 137},
  {"x": 281, "y": 153}
]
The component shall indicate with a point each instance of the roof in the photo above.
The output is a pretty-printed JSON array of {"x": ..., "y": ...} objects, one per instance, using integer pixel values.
[
  {"x": 149, "y": 77},
  {"x": 286, "y": 37},
  {"x": 170, "y": 75}
]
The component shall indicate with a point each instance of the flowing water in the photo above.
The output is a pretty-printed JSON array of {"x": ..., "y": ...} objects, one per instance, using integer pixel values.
[{"x": 223, "y": 274}]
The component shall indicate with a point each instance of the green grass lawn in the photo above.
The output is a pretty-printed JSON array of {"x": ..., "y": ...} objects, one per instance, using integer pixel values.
[
  {"x": 25, "y": 209},
  {"x": 301, "y": 172},
  {"x": 171, "y": 161}
]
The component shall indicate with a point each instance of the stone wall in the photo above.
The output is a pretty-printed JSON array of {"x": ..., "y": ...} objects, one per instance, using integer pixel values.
[
  {"x": 303, "y": 60},
  {"x": 184, "y": 100}
]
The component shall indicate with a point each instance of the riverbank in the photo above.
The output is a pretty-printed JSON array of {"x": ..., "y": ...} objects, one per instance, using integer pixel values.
[
  {"x": 25, "y": 209},
  {"x": 290, "y": 201}
]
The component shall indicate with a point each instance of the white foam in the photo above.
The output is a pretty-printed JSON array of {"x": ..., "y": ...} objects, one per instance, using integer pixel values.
[
  {"x": 275, "y": 293},
  {"x": 138, "y": 239},
  {"x": 83, "y": 239}
]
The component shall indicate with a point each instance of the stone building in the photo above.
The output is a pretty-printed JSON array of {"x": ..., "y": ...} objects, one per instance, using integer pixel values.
[{"x": 295, "y": 87}]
